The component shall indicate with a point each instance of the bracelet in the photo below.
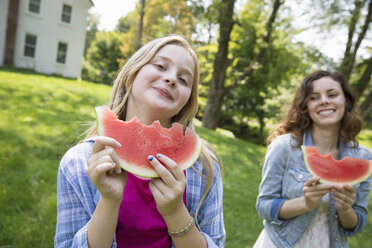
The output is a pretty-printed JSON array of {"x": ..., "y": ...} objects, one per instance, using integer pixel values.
[{"x": 183, "y": 231}]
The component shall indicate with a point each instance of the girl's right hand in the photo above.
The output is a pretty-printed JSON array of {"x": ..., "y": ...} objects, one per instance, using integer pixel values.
[
  {"x": 314, "y": 191},
  {"x": 104, "y": 169}
]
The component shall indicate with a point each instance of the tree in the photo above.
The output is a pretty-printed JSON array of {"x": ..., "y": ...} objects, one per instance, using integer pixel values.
[
  {"x": 140, "y": 27},
  {"x": 92, "y": 29},
  {"x": 217, "y": 87},
  {"x": 102, "y": 60},
  {"x": 364, "y": 85},
  {"x": 351, "y": 50}
]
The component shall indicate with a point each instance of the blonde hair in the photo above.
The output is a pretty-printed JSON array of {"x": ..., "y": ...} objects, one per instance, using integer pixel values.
[{"x": 122, "y": 88}]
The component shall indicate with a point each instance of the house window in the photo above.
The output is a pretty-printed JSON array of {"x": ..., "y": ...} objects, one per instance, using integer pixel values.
[
  {"x": 34, "y": 6},
  {"x": 30, "y": 45},
  {"x": 62, "y": 52},
  {"x": 66, "y": 13}
]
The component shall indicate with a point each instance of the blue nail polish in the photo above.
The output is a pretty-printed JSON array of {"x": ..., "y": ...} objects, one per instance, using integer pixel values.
[
  {"x": 151, "y": 158},
  {"x": 159, "y": 155}
]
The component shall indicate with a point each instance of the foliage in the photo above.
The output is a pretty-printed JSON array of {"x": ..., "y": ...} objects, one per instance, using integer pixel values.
[
  {"x": 281, "y": 61},
  {"x": 44, "y": 116},
  {"x": 92, "y": 29},
  {"x": 103, "y": 57}
]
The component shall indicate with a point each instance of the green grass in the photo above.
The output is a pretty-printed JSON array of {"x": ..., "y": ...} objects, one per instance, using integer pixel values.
[{"x": 42, "y": 116}]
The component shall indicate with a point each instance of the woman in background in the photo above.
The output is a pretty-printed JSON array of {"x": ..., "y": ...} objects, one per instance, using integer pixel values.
[{"x": 298, "y": 210}]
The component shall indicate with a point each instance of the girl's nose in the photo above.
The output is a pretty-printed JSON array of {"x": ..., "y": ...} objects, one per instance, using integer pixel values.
[
  {"x": 324, "y": 100},
  {"x": 170, "y": 81}
]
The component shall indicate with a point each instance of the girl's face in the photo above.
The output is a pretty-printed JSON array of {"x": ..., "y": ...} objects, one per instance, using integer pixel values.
[
  {"x": 326, "y": 104},
  {"x": 163, "y": 86}
]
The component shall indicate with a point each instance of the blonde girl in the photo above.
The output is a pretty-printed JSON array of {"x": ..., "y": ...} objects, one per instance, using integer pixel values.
[{"x": 100, "y": 205}]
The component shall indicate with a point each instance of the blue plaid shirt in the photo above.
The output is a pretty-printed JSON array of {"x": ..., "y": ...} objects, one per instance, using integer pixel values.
[{"x": 77, "y": 198}]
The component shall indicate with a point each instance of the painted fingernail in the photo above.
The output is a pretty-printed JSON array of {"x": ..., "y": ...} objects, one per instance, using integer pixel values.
[
  {"x": 151, "y": 158},
  {"x": 113, "y": 164},
  {"x": 159, "y": 155}
]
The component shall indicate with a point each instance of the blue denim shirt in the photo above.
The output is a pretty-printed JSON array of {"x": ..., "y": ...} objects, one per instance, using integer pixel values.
[{"x": 284, "y": 173}]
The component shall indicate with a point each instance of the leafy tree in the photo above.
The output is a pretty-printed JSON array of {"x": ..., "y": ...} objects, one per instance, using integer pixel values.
[
  {"x": 92, "y": 29},
  {"x": 140, "y": 27},
  {"x": 103, "y": 57},
  {"x": 352, "y": 47},
  {"x": 250, "y": 97},
  {"x": 217, "y": 89}
]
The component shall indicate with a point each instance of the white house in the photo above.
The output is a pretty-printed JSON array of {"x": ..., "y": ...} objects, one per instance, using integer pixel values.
[{"x": 45, "y": 35}]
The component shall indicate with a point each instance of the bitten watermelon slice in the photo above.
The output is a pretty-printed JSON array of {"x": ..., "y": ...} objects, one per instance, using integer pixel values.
[
  {"x": 345, "y": 171},
  {"x": 138, "y": 141}
]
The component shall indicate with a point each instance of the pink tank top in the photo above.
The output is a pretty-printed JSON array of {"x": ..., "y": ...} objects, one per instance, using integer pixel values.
[{"x": 139, "y": 224}]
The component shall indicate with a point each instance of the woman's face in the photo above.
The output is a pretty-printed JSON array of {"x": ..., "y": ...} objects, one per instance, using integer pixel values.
[
  {"x": 163, "y": 86},
  {"x": 326, "y": 103}
]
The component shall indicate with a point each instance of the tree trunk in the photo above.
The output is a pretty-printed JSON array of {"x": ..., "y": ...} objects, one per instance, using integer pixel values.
[
  {"x": 366, "y": 106},
  {"x": 349, "y": 56},
  {"x": 262, "y": 126},
  {"x": 140, "y": 28},
  {"x": 217, "y": 89},
  {"x": 363, "y": 81}
]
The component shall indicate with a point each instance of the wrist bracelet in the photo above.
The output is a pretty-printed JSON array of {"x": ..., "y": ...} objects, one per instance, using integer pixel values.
[{"x": 183, "y": 231}]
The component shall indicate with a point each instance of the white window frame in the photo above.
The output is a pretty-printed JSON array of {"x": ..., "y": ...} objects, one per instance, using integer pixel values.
[
  {"x": 35, "y": 4},
  {"x": 66, "y": 13},
  {"x": 28, "y": 45},
  {"x": 61, "y": 54}
]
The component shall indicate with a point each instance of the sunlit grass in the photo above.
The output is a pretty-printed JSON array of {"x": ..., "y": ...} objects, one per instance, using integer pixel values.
[{"x": 42, "y": 117}]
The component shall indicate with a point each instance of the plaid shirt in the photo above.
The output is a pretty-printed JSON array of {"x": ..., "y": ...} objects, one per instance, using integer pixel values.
[{"x": 77, "y": 198}]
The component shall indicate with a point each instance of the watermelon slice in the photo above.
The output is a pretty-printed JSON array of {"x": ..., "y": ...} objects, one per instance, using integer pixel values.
[
  {"x": 345, "y": 171},
  {"x": 138, "y": 141}
]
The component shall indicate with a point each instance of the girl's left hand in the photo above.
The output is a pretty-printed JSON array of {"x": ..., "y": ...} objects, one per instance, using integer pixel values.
[
  {"x": 168, "y": 189},
  {"x": 344, "y": 195}
]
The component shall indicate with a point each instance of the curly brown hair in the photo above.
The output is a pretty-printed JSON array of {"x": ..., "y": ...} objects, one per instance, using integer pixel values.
[{"x": 297, "y": 119}]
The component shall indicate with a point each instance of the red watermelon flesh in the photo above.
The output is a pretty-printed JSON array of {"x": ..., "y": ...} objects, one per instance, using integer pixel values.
[
  {"x": 138, "y": 141},
  {"x": 345, "y": 171}
]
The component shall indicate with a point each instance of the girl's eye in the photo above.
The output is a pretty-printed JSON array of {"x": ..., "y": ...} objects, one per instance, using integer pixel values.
[
  {"x": 312, "y": 98},
  {"x": 160, "y": 66},
  {"x": 183, "y": 81}
]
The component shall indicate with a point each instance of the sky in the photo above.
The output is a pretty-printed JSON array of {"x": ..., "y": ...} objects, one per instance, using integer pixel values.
[{"x": 111, "y": 10}]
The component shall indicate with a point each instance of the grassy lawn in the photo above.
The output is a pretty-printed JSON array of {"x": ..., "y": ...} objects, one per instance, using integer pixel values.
[{"x": 43, "y": 116}]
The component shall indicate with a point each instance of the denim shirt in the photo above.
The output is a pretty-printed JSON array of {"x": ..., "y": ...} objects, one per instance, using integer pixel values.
[{"x": 283, "y": 176}]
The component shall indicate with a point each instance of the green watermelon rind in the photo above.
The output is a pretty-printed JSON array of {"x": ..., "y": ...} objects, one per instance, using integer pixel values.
[
  {"x": 360, "y": 179},
  {"x": 132, "y": 168}
]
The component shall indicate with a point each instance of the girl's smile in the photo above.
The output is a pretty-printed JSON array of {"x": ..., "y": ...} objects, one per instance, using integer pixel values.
[
  {"x": 163, "y": 86},
  {"x": 326, "y": 104}
]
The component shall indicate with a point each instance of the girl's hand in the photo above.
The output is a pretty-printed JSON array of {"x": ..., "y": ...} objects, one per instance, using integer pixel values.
[
  {"x": 104, "y": 169},
  {"x": 344, "y": 196},
  {"x": 314, "y": 191},
  {"x": 168, "y": 189}
]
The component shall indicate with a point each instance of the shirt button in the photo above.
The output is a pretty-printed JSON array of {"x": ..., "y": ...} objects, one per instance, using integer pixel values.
[
  {"x": 336, "y": 239},
  {"x": 300, "y": 176},
  {"x": 336, "y": 216}
]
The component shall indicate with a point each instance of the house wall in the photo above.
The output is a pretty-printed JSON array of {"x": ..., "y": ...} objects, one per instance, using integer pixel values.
[
  {"x": 50, "y": 30},
  {"x": 3, "y": 23}
]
